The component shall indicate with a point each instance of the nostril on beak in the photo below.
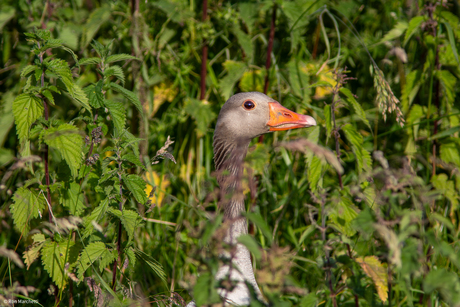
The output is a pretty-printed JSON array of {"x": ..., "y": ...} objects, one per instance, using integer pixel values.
[{"x": 287, "y": 115}]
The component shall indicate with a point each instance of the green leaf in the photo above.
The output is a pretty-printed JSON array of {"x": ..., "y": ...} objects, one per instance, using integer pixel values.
[
  {"x": 133, "y": 159},
  {"x": 244, "y": 41},
  {"x": 235, "y": 71},
  {"x": 451, "y": 37},
  {"x": 95, "y": 217},
  {"x": 119, "y": 57},
  {"x": 445, "y": 133},
  {"x": 205, "y": 292},
  {"x": 93, "y": 23},
  {"x": 363, "y": 157},
  {"x": 54, "y": 260},
  {"x": 261, "y": 224},
  {"x": 49, "y": 96},
  {"x": 251, "y": 245},
  {"x": 67, "y": 140},
  {"x": 396, "y": 32},
  {"x": 61, "y": 68},
  {"x": 450, "y": 153},
  {"x": 88, "y": 61},
  {"x": 154, "y": 265},
  {"x": 447, "y": 283},
  {"x": 309, "y": 301},
  {"x": 342, "y": 215},
  {"x": 447, "y": 189},
  {"x": 356, "y": 106},
  {"x": 6, "y": 14},
  {"x": 314, "y": 173},
  {"x": 118, "y": 113},
  {"x": 414, "y": 24},
  {"x": 33, "y": 252},
  {"x": 136, "y": 185},
  {"x": 201, "y": 112},
  {"x": 448, "y": 82},
  {"x": 116, "y": 71},
  {"x": 27, "y": 108},
  {"x": 94, "y": 93},
  {"x": 72, "y": 198},
  {"x": 130, "y": 220},
  {"x": 128, "y": 95},
  {"x": 28, "y": 70},
  {"x": 27, "y": 205},
  {"x": 91, "y": 253}
]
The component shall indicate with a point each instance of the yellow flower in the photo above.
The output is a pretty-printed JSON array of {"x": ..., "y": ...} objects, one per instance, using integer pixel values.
[{"x": 161, "y": 184}]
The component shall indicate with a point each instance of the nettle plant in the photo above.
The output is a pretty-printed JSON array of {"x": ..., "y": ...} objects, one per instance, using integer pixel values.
[{"x": 92, "y": 152}]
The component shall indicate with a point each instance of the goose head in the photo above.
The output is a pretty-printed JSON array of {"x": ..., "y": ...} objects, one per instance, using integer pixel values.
[{"x": 247, "y": 115}]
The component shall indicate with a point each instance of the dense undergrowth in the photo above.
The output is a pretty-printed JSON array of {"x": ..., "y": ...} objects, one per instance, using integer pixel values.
[{"x": 107, "y": 192}]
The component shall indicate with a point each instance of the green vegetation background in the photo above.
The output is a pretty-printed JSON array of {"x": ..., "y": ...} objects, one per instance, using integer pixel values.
[{"x": 380, "y": 77}]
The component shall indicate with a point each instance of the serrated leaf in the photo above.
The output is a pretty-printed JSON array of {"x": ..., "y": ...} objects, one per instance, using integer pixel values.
[
  {"x": 314, "y": 173},
  {"x": 95, "y": 216},
  {"x": 54, "y": 260},
  {"x": 448, "y": 82},
  {"x": 414, "y": 24},
  {"x": 130, "y": 140},
  {"x": 91, "y": 253},
  {"x": 49, "y": 96},
  {"x": 27, "y": 108},
  {"x": 116, "y": 71},
  {"x": 32, "y": 253},
  {"x": 156, "y": 267},
  {"x": 118, "y": 113},
  {"x": 363, "y": 157},
  {"x": 67, "y": 140},
  {"x": 133, "y": 159},
  {"x": 94, "y": 93},
  {"x": 28, "y": 70},
  {"x": 342, "y": 215},
  {"x": 88, "y": 61},
  {"x": 25, "y": 207},
  {"x": 136, "y": 185},
  {"x": 356, "y": 106},
  {"x": 450, "y": 153},
  {"x": 201, "y": 112},
  {"x": 119, "y": 57},
  {"x": 61, "y": 68},
  {"x": 128, "y": 95},
  {"x": 130, "y": 220},
  {"x": 72, "y": 198},
  {"x": 378, "y": 272},
  {"x": 235, "y": 71}
]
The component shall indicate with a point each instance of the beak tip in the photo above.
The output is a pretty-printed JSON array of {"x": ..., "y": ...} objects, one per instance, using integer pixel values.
[{"x": 309, "y": 121}]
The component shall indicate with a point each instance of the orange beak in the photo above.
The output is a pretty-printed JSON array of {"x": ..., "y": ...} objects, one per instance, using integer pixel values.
[{"x": 284, "y": 119}]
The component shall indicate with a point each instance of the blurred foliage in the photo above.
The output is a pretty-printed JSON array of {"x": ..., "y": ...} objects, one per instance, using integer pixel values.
[{"x": 120, "y": 78}]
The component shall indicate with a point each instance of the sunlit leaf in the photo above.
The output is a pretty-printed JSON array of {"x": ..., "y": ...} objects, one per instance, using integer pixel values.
[{"x": 378, "y": 272}]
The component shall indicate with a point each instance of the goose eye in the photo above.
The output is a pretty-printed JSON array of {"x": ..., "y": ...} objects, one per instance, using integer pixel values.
[{"x": 249, "y": 105}]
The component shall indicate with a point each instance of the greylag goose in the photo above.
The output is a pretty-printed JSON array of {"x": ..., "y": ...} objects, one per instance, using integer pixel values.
[{"x": 243, "y": 117}]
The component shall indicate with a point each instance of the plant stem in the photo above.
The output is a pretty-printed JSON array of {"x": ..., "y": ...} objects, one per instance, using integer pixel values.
[
  {"x": 46, "y": 151},
  {"x": 120, "y": 207},
  {"x": 204, "y": 56},
  {"x": 335, "y": 99}
]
